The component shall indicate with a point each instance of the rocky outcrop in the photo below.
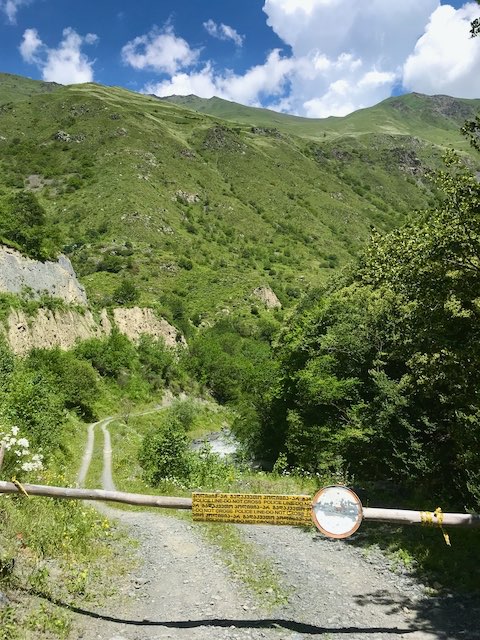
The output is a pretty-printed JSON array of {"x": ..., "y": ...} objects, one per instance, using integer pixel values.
[
  {"x": 63, "y": 328},
  {"x": 137, "y": 321},
  {"x": 186, "y": 198},
  {"x": 48, "y": 329},
  {"x": 56, "y": 279},
  {"x": 268, "y": 297}
]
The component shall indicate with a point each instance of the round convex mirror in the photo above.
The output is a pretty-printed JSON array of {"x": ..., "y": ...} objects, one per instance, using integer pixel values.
[{"x": 337, "y": 511}]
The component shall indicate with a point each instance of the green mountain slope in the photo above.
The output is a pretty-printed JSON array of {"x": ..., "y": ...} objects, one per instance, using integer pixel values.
[
  {"x": 15, "y": 88},
  {"x": 197, "y": 211},
  {"x": 433, "y": 118}
]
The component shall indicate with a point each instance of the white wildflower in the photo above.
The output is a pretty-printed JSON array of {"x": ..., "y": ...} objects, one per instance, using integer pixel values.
[{"x": 18, "y": 448}]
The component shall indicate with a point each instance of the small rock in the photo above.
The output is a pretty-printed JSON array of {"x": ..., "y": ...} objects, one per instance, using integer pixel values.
[{"x": 4, "y": 601}]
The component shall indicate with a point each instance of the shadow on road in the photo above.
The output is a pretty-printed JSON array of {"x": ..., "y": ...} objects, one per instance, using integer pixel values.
[
  {"x": 261, "y": 623},
  {"x": 449, "y": 616}
]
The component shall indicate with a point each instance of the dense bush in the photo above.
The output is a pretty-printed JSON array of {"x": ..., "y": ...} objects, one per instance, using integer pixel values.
[
  {"x": 380, "y": 369},
  {"x": 165, "y": 454},
  {"x": 23, "y": 224},
  {"x": 111, "y": 263},
  {"x": 31, "y": 401},
  {"x": 110, "y": 356},
  {"x": 75, "y": 379},
  {"x": 233, "y": 358},
  {"x": 157, "y": 362},
  {"x": 36, "y": 392},
  {"x": 126, "y": 293}
]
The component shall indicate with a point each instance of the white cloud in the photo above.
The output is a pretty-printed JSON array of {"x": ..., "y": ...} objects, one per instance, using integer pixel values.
[
  {"x": 11, "y": 7},
  {"x": 201, "y": 83},
  {"x": 65, "y": 64},
  {"x": 259, "y": 82},
  {"x": 445, "y": 59},
  {"x": 160, "y": 51},
  {"x": 223, "y": 32},
  {"x": 342, "y": 56},
  {"x": 30, "y": 45},
  {"x": 347, "y": 55}
]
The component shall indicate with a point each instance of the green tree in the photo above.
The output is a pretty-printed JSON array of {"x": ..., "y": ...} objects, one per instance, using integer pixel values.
[
  {"x": 164, "y": 453},
  {"x": 23, "y": 222},
  {"x": 111, "y": 355},
  {"x": 380, "y": 368},
  {"x": 75, "y": 379},
  {"x": 126, "y": 293},
  {"x": 157, "y": 361},
  {"x": 32, "y": 402}
]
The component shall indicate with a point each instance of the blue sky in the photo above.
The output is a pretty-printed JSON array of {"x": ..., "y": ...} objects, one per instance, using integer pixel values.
[{"x": 310, "y": 57}]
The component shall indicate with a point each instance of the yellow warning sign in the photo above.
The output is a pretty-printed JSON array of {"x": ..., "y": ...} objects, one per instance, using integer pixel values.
[{"x": 247, "y": 508}]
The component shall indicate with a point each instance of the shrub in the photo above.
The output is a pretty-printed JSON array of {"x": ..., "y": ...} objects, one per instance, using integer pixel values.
[
  {"x": 109, "y": 356},
  {"x": 23, "y": 222},
  {"x": 184, "y": 412},
  {"x": 164, "y": 453},
  {"x": 110, "y": 263},
  {"x": 156, "y": 360},
  {"x": 75, "y": 379},
  {"x": 126, "y": 293},
  {"x": 34, "y": 404}
]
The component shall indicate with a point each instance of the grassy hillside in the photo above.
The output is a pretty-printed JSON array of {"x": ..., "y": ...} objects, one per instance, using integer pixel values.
[
  {"x": 16, "y": 88},
  {"x": 197, "y": 211},
  {"x": 436, "y": 119}
]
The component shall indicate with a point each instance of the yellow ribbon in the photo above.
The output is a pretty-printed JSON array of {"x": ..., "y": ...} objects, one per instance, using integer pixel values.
[
  {"x": 20, "y": 487},
  {"x": 427, "y": 519}
]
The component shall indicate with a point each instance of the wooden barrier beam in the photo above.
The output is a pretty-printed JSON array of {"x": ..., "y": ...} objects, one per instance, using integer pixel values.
[
  {"x": 403, "y": 516},
  {"x": 166, "y": 502},
  {"x": 399, "y": 516}
]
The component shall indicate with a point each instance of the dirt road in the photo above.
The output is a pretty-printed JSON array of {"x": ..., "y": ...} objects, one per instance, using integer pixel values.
[{"x": 182, "y": 588}]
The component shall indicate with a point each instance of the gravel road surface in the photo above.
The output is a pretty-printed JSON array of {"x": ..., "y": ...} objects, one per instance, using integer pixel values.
[{"x": 182, "y": 589}]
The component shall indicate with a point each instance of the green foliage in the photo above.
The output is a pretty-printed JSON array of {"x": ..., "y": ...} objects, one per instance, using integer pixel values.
[
  {"x": 30, "y": 400},
  {"x": 380, "y": 369},
  {"x": 232, "y": 358},
  {"x": 23, "y": 224},
  {"x": 183, "y": 411},
  {"x": 209, "y": 472},
  {"x": 111, "y": 263},
  {"x": 110, "y": 356},
  {"x": 164, "y": 453},
  {"x": 126, "y": 293},
  {"x": 75, "y": 379},
  {"x": 157, "y": 361}
]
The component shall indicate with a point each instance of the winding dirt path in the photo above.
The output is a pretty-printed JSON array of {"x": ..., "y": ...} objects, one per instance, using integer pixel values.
[
  {"x": 182, "y": 588},
  {"x": 87, "y": 456},
  {"x": 107, "y": 479}
]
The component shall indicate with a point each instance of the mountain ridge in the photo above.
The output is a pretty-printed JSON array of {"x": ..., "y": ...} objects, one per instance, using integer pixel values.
[
  {"x": 197, "y": 211},
  {"x": 355, "y": 123}
]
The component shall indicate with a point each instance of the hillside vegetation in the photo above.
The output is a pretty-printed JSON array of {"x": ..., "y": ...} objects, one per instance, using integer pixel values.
[
  {"x": 196, "y": 212},
  {"x": 368, "y": 370},
  {"x": 436, "y": 119}
]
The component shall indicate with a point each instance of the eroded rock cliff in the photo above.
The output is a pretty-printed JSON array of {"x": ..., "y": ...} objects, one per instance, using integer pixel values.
[
  {"x": 58, "y": 279},
  {"x": 47, "y": 329},
  {"x": 64, "y": 327}
]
